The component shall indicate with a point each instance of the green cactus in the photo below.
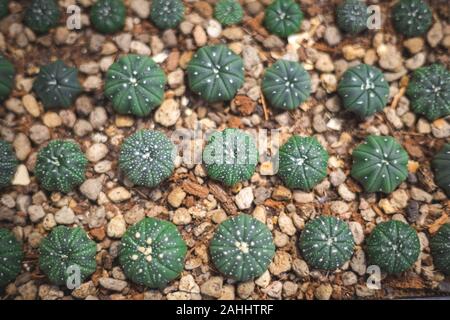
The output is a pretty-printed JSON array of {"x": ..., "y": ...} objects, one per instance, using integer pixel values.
[
  {"x": 242, "y": 247},
  {"x": 230, "y": 156},
  {"x": 302, "y": 163},
  {"x": 440, "y": 249},
  {"x": 228, "y": 12},
  {"x": 7, "y": 74},
  {"x": 152, "y": 252},
  {"x": 286, "y": 85},
  {"x": 393, "y": 246},
  {"x": 283, "y": 17},
  {"x": 108, "y": 16},
  {"x": 380, "y": 164},
  {"x": 215, "y": 73},
  {"x": 147, "y": 158},
  {"x": 412, "y": 17},
  {"x": 3, "y": 8},
  {"x": 42, "y": 15},
  {"x": 57, "y": 85},
  {"x": 64, "y": 252},
  {"x": 441, "y": 166},
  {"x": 135, "y": 85},
  {"x": 167, "y": 14},
  {"x": 8, "y": 164},
  {"x": 326, "y": 243},
  {"x": 363, "y": 90},
  {"x": 60, "y": 166},
  {"x": 429, "y": 91},
  {"x": 352, "y": 16},
  {"x": 11, "y": 256}
]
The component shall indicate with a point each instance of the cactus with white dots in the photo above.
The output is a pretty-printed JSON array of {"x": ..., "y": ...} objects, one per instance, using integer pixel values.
[
  {"x": 302, "y": 162},
  {"x": 441, "y": 167},
  {"x": 326, "y": 243},
  {"x": 7, "y": 74},
  {"x": 11, "y": 256},
  {"x": 440, "y": 249},
  {"x": 135, "y": 85},
  {"x": 393, "y": 246},
  {"x": 352, "y": 16},
  {"x": 60, "y": 166},
  {"x": 147, "y": 158},
  {"x": 363, "y": 90},
  {"x": 286, "y": 85},
  {"x": 42, "y": 15},
  {"x": 215, "y": 73},
  {"x": 152, "y": 252},
  {"x": 108, "y": 16},
  {"x": 8, "y": 163},
  {"x": 429, "y": 91},
  {"x": 412, "y": 17},
  {"x": 167, "y": 14},
  {"x": 380, "y": 164},
  {"x": 57, "y": 85},
  {"x": 228, "y": 12},
  {"x": 242, "y": 247},
  {"x": 283, "y": 17}
]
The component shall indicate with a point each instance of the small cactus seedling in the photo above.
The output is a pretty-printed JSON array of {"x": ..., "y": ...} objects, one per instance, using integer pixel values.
[
  {"x": 135, "y": 85},
  {"x": 147, "y": 158},
  {"x": 283, "y": 17},
  {"x": 167, "y": 14},
  {"x": 352, "y": 16},
  {"x": 8, "y": 164},
  {"x": 3, "y": 8},
  {"x": 42, "y": 15},
  {"x": 230, "y": 156},
  {"x": 440, "y": 249},
  {"x": 393, "y": 246},
  {"x": 228, "y": 12},
  {"x": 286, "y": 84},
  {"x": 441, "y": 166},
  {"x": 60, "y": 166},
  {"x": 380, "y": 164},
  {"x": 11, "y": 256},
  {"x": 7, "y": 74},
  {"x": 302, "y": 163},
  {"x": 242, "y": 247},
  {"x": 108, "y": 16},
  {"x": 429, "y": 91},
  {"x": 215, "y": 73},
  {"x": 412, "y": 17},
  {"x": 152, "y": 252},
  {"x": 57, "y": 85},
  {"x": 326, "y": 243},
  {"x": 363, "y": 90},
  {"x": 66, "y": 251}
]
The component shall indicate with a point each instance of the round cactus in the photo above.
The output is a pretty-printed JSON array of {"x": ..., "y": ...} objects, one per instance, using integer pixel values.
[
  {"x": 441, "y": 166},
  {"x": 11, "y": 256},
  {"x": 108, "y": 16},
  {"x": 283, "y": 17},
  {"x": 60, "y": 166},
  {"x": 228, "y": 12},
  {"x": 352, "y": 16},
  {"x": 57, "y": 85},
  {"x": 147, "y": 158},
  {"x": 326, "y": 243},
  {"x": 66, "y": 252},
  {"x": 412, "y": 17},
  {"x": 242, "y": 247},
  {"x": 230, "y": 156},
  {"x": 8, "y": 164},
  {"x": 3, "y": 8},
  {"x": 429, "y": 91},
  {"x": 152, "y": 252},
  {"x": 167, "y": 14},
  {"x": 215, "y": 73},
  {"x": 393, "y": 246},
  {"x": 42, "y": 15},
  {"x": 363, "y": 90},
  {"x": 380, "y": 164},
  {"x": 7, "y": 74},
  {"x": 286, "y": 84},
  {"x": 440, "y": 249},
  {"x": 302, "y": 163},
  {"x": 135, "y": 85}
]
